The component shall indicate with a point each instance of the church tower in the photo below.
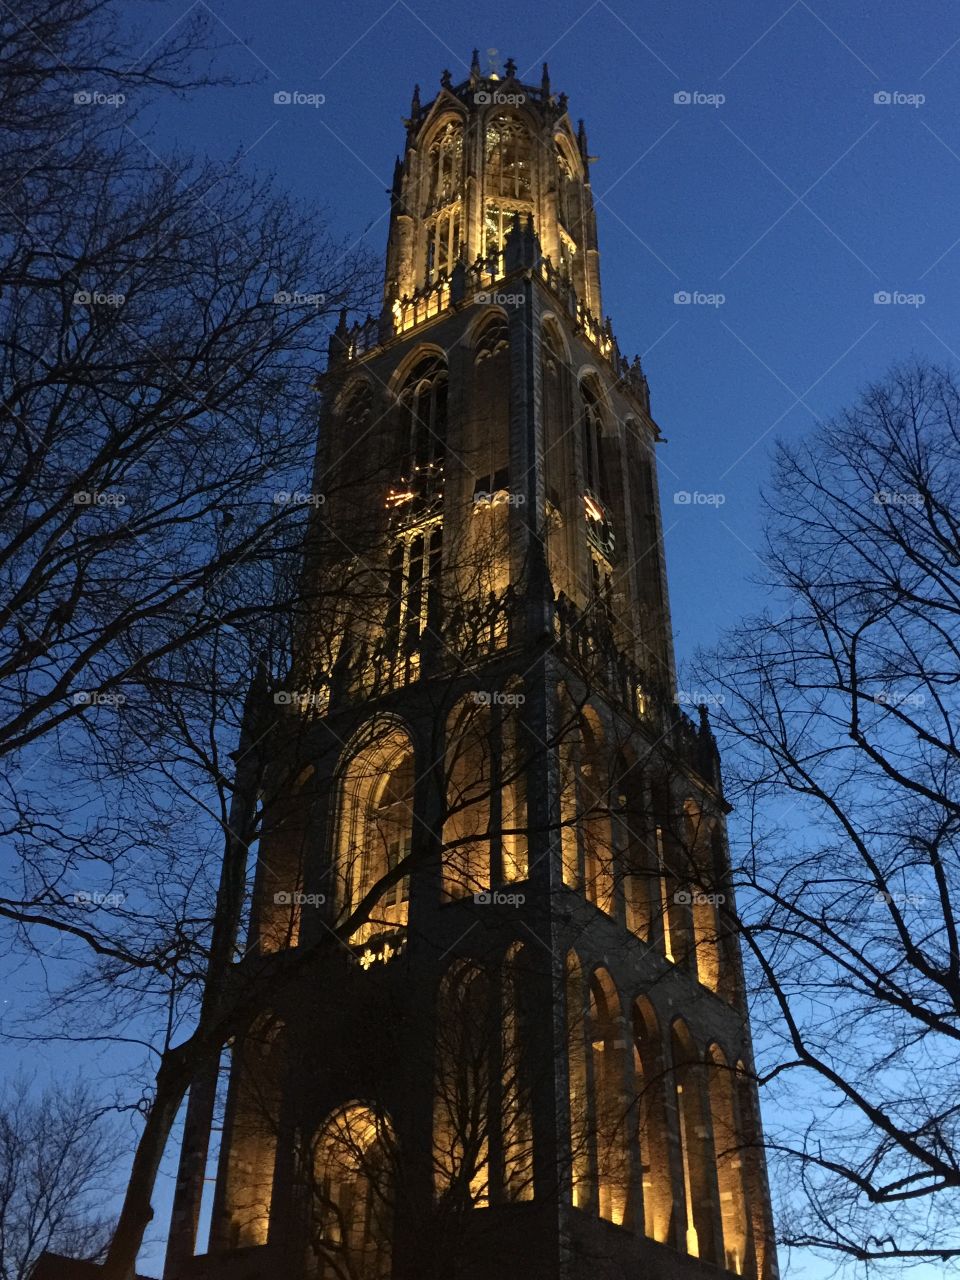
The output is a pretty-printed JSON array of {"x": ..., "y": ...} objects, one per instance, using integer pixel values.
[{"x": 499, "y": 1023}]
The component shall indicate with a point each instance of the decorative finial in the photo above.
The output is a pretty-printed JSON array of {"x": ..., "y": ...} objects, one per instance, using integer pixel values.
[
  {"x": 582, "y": 140},
  {"x": 510, "y": 68},
  {"x": 415, "y": 104},
  {"x": 475, "y": 63},
  {"x": 545, "y": 83},
  {"x": 397, "y": 176},
  {"x": 446, "y": 80},
  {"x": 562, "y": 102}
]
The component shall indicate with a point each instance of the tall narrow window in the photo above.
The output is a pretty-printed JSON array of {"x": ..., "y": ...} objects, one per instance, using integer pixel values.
[
  {"x": 508, "y": 155},
  {"x": 443, "y": 244},
  {"x": 581, "y": 1162},
  {"x": 466, "y": 831},
  {"x": 729, "y": 1159},
  {"x": 594, "y": 813},
  {"x": 375, "y": 830},
  {"x": 353, "y": 1191},
  {"x": 517, "y": 1140},
  {"x": 650, "y": 1086},
  {"x": 423, "y": 421},
  {"x": 591, "y": 428},
  {"x": 445, "y": 165},
  {"x": 699, "y": 1177},
  {"x": 461, "y": 1145},
  {"x": 610, "y": 1103}
]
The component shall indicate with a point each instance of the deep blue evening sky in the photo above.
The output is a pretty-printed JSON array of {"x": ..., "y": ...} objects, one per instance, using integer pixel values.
[{"x": 798, "y": 198}]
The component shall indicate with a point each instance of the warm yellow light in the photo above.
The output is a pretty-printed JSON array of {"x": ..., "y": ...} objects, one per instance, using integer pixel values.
[
  {"x": 396, "y": 498},
  {"x": 593, "y": 508}
]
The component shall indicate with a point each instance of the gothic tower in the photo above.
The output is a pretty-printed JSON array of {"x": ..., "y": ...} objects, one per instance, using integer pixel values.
[{"x": 499, "y": 1022}]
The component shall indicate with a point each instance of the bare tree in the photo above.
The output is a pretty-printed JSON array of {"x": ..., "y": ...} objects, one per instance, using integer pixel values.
[
  {"x": 838, "y": 711},
  {"x": 57, "y": 1160}
]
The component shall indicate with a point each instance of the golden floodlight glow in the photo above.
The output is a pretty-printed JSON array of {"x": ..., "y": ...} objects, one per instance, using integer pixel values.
[{"x": 593, "y": 508}]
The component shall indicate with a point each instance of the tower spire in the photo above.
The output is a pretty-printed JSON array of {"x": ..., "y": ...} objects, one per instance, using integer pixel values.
[{"x": 545, "y": 83}]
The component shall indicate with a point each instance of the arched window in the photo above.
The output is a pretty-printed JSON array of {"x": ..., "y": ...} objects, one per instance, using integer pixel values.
[
  {"x": 353, "y": 1189},
  {"x": 699, "y": 1177},
  {"x": 704, "y": 894},
  {"x": 557, "y": 459},
  {"x": 581, "y": 1156},
  {"x": 462, "y": 1112},
  {"x": 512, "y": 761},
  {"x": 445, "y": 164},
  {"x": 469, "y": 768},
  {"x": 375, "y": 829},
  {"x": 443, "y": 244},
  {"x": 594, "y": 811},
  {"x": 640, "y": 873},
  {"x": 650, "y": 1084},
  {"x": 728, "y": 1151},
  {"x": 258, "y": 1061},
  {"x": 423, "y": 418},
  {"x": 509, "y": 161},
  {"x": 567, "y": 192},
  {"x": 517, "y": 1133},
  {"x": 357, "y": 409},
  {"x": 610, "y": 1101},
  {"x": 493, "y": 338},
  {"x": 591, "y": 435}
]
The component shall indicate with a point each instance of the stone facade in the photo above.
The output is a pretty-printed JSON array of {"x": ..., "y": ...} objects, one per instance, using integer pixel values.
[{"x": 534, "y": 1058}]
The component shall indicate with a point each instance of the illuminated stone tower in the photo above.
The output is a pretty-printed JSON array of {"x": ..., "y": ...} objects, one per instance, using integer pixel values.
[{"x": 530, "y": 1056}]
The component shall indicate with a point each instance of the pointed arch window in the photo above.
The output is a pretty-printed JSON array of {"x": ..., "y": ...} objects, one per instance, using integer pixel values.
[
  {"x": 375, "y": 830},
  {"x": 462, "y": 1112},
  {"x": 591, "y": 427},
  {"x": 508, "y": 152},
  {"x": 654, "y": 1133},
  {"x": 728, "y": 1152},
  {"x": 423, "y": 419},
  {"x": 445, "y": 164},
  {"x": 353, "y": 1191},
  {"x": 567, "y": 191},
  {"x": 610, "y": 1103},
  {"x": 443, "y": 244}
]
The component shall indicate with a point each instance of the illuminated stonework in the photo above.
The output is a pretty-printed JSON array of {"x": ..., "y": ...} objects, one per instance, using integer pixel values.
[{"x": 517, "y": 1041}]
